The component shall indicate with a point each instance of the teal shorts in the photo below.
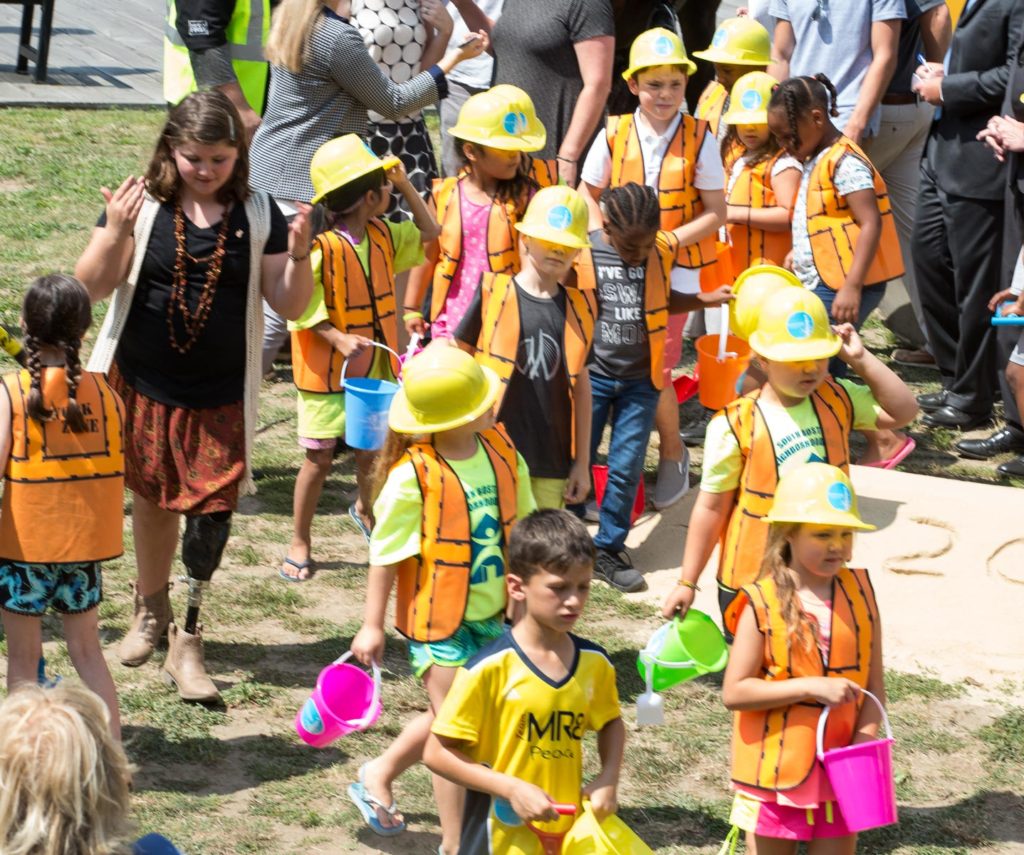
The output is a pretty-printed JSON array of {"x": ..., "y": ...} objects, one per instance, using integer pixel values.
[{"x": 470, "y": 637}]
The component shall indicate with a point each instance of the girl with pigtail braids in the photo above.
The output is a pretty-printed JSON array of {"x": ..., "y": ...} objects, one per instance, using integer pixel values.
[
  {"x": 61, "y": 448},
  {"x": 845, "y": 246}
]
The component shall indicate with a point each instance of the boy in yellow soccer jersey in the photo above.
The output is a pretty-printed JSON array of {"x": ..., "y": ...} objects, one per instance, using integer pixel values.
[{"x": 511, "y": 728}]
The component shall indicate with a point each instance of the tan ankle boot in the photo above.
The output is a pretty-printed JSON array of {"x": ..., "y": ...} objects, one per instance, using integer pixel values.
[
  {"x": 185, "y": 668},
  {"x": 149, "y": 623}
]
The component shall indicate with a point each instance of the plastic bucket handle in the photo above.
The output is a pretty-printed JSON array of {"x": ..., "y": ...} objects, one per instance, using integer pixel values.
[
  {"x": 654, "y": 660},
  {"x": 723, "y": 336},
  {"x": 344, "y": 365},
  {"x": 824, "y": 718},
  {"x": 366, "y": 720}
]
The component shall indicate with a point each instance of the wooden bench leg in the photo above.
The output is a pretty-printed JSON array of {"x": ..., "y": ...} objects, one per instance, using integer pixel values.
[
  {"x": 25, "y": 39},
  {"x": 45, "y": 30}
]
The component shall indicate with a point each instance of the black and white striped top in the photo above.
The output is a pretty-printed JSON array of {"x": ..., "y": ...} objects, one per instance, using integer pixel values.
[{"x": 329, "y": 97}]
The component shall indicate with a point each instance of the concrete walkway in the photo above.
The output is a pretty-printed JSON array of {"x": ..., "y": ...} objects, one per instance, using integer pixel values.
[{"x": 102, "y": 54}]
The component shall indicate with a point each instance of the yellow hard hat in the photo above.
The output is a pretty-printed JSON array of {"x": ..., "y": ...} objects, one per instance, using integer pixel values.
[
  {"x": 752, "y": 288},
  {"x": 657, "y": 47},
  {"x": 816, "y": 494},
  {"x": 794, "y": 327},
  {"x": 502, "y": 117},
  {"x": 341, "y": 161},
  {"x": 748, "y": 104},
  {"x": 443, "y": 387},
  {"x": 739, "y": 41},
  {"x": 557, "y": 214}
]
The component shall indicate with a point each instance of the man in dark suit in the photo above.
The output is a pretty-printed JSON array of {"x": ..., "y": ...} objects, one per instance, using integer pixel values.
[{"x": 958, "y": 230}]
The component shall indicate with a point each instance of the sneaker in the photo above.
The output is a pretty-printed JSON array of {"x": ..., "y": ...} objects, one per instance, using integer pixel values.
[
  {"x": 916, "y": 358},
  {"x": 591, "y": 513},
  {"x": 615, "y": 569},
  {"x": 693, "y": 433},
  {"x": 673, "y": 481}
]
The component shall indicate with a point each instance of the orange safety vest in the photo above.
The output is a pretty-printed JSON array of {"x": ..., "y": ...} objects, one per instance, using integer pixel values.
[
  {"x": 502, "y": 240},
  {"x": 775, "y": 749},
  {"x": 711, "y": 104},
  {"x": 657, "y": 289},
  {"x": 351, "y": 308},
  {"x": 832, "y": 230},
  {"x": 64, "y": 492},
  {"x": 746, "y": 534},
  {"x": 678, "y": 199},
  {"x": 750, "y": 245},
  {"x": 433, "y": 587}
]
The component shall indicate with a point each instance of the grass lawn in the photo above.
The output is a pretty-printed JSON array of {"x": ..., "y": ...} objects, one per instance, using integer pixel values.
[{"x": 238, "y": 779}]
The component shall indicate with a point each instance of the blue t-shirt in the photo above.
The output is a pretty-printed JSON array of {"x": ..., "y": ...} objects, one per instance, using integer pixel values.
[{"x": 834, "y": 37}]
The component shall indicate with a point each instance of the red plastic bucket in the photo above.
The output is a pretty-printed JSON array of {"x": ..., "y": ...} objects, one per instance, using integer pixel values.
[
  {"x": 600, "y": 475},
  {"x": 686, "y": 386},
  {"x": 345, "y": 699},
  {"x": 861, "y": 777}
]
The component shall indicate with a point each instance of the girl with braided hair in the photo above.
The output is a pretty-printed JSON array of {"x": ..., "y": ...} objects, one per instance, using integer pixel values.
[
  {"x": 61, "y": 446},
  {"x": 629, "y": 268},
  {"x": 845, "y": 246}
]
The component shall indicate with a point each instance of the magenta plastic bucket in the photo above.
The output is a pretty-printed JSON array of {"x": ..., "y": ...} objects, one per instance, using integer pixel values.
[
  {"x": 345, "y": 699},
  {"x": 861, "y": 777}
]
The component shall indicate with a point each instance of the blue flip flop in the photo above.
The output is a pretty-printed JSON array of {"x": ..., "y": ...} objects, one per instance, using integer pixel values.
[
  {"x": 367, "y": 806},
  {"x": 298, "y": 565},
  {"x": 358, "y": 520}
]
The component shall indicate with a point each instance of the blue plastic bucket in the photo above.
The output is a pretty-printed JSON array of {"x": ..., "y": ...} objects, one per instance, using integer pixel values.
[{"x": 367, "y": 401}]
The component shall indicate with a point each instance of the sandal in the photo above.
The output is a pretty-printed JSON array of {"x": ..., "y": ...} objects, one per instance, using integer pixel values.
[
  {"x": 368, "y": 805},
  {"x": 353, "y": 515},
  {"x": 901, "y": 454},
  {"x": 309, "y": 565}
]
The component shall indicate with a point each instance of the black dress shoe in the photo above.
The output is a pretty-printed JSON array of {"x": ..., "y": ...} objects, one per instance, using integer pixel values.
[
  {"x": 693, "y": 433},
  {"x": 951, "y": 417},
  {"x": 1003, "y": 440},
  {"x": 932, "y": 401},
  {"x": 1012, "y": 469}
]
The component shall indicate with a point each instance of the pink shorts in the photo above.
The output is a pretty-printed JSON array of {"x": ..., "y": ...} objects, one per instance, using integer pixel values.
[
  {"x": 784, "y": 822},
  {"x": 314, "y": 444},
  {"x": 673, "y": 345}
]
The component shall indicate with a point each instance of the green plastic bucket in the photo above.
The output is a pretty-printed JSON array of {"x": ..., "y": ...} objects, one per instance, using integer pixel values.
[{"x": 683, "y": 649}]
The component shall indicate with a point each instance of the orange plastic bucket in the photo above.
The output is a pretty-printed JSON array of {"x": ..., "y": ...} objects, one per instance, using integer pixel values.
[
  {"x": 600, "y": 475},
  {"x": 722, "y": 360}
]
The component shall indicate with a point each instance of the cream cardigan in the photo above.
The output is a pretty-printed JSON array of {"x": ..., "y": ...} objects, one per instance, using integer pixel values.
[{"x": 257, "y": 209}]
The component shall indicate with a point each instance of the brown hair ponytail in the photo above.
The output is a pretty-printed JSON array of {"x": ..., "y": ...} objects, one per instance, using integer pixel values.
[
  {"x": 775, "y": 566},
  {"x": 395, "y": 446}
]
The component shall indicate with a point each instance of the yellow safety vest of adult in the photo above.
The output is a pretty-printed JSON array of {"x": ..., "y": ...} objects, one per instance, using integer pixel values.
[{"x": 246, "y": 35}]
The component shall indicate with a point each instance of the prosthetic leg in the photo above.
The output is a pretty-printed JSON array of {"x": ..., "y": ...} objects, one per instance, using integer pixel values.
[{"x": 201, "y": 551}]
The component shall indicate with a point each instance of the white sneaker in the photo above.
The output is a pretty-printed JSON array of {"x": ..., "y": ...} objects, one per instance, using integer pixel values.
[
  {"x": 591, "y": 513},
  {"x": 673, "y": 481}
]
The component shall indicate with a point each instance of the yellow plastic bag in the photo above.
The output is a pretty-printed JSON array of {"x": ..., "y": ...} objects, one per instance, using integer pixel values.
[{"x": 610, "y": 837}]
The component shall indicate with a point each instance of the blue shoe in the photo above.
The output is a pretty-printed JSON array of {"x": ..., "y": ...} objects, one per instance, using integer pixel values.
[
  {"x": 368, "y": 805},
  {"x": 358, "y": 520}
]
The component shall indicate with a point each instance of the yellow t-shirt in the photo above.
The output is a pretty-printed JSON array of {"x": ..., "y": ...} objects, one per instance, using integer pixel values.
[
  {"x": 508, "y": 715},
  {"x": 398, "y": 513},
  {"x": 795, "y": 432}
]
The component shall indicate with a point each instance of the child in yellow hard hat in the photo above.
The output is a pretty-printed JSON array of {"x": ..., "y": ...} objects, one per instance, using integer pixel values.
[
  {"x": 663, "y": 147},
  {"x": 808, "y": 637},
  {"x": 800, "y": 415},
  {"x": 739, "y": 46},
  {"x": 450, "y": 487},
  {"x": 354, "y": 266},
  {"x": 477, "y": 209},
  {"x": 535, "y": 334},
  {"x": 761, "y": 178}
]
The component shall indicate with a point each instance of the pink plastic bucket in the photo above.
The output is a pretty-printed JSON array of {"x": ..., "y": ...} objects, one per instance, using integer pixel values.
[
  {"x": 600, "y": 475},
  {"x": 861, "y": 777},
  {"x": 345, "y": 699}
]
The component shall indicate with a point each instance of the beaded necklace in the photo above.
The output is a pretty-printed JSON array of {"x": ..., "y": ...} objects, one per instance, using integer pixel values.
[{"x": 194, "y": 322}]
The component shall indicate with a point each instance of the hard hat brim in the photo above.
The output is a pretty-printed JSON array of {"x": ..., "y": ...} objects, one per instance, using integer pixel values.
[
  {"x": 796, "y": 351},
  {"x": 688, "y": 65},
  {"x": 503, "y": 142},
  {"x": 385, "y": 163},
  {"x": 837, "y": 518},
  {"x": 758, "y": 269},
  {"x": 402, "y": 418},
  {"x": 746, "y": 117},
  {"x": 722, "y": 57},
  {"x": 552, "y": 235}
]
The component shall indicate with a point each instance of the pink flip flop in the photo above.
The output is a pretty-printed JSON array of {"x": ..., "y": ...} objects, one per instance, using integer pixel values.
[{"x": 897, "y": 458}]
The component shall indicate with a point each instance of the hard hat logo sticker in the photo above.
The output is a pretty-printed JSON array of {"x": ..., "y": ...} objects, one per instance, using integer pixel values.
[
  {"x": 840, "y": 497},
  {"x": 560, "y": 217},
  {"x": 800, "y": 325},
  {"x": 662, "y": 46},
  {"x": 720, "y": 38},
  {"x": 514, "y": 123},
  {"x": 751, "y": 100}
]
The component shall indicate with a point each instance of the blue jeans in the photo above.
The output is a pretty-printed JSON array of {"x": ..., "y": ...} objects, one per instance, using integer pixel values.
[
  {"x": 870, "y": 297},
  {"x": 631, "y": 405}
]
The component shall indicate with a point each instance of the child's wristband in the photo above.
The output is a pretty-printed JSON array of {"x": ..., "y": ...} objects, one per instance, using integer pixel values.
[
  {"x": 408, "y": 316},
  {"x": 686, "y": 583}
]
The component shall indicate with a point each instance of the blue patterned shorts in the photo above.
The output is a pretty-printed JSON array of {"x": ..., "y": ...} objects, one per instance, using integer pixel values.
[
  {"x": 470, "y": 637},
  {"x": 30, "y": 589}
]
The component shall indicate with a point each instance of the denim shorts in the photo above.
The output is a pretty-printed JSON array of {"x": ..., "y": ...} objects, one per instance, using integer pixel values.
[
  {"x": 68, "y": 589},
  {"x": 471, "y": 636}
]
